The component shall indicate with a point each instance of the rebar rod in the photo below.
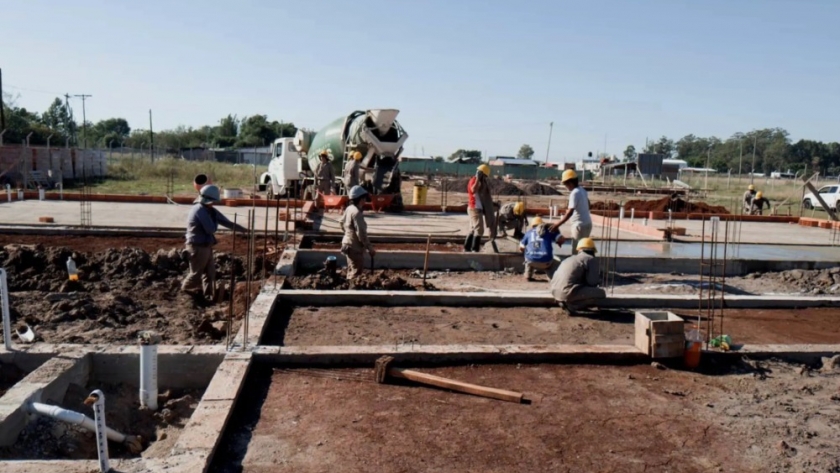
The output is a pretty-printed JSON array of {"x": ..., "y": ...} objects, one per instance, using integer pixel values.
[{"x": 232, "y": 285}]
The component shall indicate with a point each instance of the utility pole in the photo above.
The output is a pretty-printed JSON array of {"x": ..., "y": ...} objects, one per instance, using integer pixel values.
[
  {"x": 752, "y": 170},
  {"x": 84, "y": 118},
  {"x": 740, "y": 157},
  {"x": 548, "y": 148},
  {"x": 151, "y": 138},
  {"x": 2, "y": 110}
]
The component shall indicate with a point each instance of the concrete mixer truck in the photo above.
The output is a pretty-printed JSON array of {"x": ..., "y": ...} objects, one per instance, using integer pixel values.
[{"x": 374, "y": 133}]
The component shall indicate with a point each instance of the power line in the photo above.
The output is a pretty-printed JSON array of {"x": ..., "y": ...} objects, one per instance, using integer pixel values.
[{"x": 57, "y": 94}]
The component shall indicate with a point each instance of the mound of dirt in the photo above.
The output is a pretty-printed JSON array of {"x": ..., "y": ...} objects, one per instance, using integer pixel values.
[
  {"x": 120, "y": 292},
  {"x": 535, "y": 188},
  {"x": 497, "y": 186},
  {"x": 380, "y": 280},
  {"x": 674, "y": 204},
  {"x": 600, "y": 205}
]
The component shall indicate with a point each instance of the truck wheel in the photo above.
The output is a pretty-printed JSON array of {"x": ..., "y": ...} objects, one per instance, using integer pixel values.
[{"x": 807, "y": 204}]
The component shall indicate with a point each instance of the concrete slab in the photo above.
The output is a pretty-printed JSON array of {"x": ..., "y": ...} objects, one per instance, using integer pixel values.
[
  {"x": 763, "y": 232},
  {"x": 442, "y": 261},
  {"x": 159, "y": 216}
]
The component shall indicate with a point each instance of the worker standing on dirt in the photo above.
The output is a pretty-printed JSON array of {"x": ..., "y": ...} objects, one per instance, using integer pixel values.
[
  {"x": 749, "y": 195},
  {"x": 538, "y": 246},
  {"x": 512, "y": 217},
  {"x": 758, "y": 204},
  {"x": 575, "y": 284},
  {"x": 351, "y": 171},
  {"x": 480, "y": 208},
  {"x": 578, "y": 210},
  {"x": 202, "y": 223},
  {"x": 355, "y": 240},
  {"x": 325, "y": 175}
]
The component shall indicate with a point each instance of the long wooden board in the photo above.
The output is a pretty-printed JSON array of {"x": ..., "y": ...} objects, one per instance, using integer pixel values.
[{"x": 451, "y": 384}]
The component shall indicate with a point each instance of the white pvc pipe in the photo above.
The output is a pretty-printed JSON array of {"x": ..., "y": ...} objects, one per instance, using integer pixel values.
[
  {"x": 148, "y": 377},
  {"x": 4, "y": 306},
  {"x": 101, "y": 429},
  {"x": 73, "y": 417}
]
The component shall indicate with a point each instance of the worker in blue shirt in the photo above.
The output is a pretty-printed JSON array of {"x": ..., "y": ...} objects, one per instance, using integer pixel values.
[
  {"x": 538, "y": 248},
  {"x": 202, "y": 223}
]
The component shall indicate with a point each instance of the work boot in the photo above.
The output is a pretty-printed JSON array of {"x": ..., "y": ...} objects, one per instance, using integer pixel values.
[
  {"x": 468, "y": 243},
  {"x": 476, "y": 246}
]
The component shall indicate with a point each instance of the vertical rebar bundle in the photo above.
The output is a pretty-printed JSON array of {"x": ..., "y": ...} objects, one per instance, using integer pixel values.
[{"x": 711, "y": 300}]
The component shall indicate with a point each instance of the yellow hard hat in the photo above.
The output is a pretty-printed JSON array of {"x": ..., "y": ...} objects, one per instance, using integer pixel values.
[
  {"x": 751, "y": 187},
  {"x": 568, "y": 174},
  {"x": 324, "y": 154},
  {"x": 485, "y": 169},
  {"x": 536, "y": 221},
  {"x": 519, "y": 208},
  {"x": 759, "y": 195},
  {"x": 586, "y": 244},
  {"x": 357, "y": 155}
]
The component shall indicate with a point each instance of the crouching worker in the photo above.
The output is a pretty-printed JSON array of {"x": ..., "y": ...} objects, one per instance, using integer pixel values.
[
  {"x": 539, "y": 249},
  {"x": 512, "y": 217},
  {"x": 355, "y": 240},
  {"x": 575, "y": 284},
  {"x": 202, "y": 223}
]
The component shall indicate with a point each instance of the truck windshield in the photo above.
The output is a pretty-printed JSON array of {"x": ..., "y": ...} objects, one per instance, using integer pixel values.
[{"x": 278, "y": 149}]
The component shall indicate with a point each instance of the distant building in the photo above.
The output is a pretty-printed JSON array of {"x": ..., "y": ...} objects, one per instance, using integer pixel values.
[
  {"x": 508, "y": 161},
  {"x": 417, "y": 158}
]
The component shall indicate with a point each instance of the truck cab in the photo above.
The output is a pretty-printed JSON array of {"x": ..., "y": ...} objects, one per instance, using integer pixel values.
[{"x": 287, "y": 170}]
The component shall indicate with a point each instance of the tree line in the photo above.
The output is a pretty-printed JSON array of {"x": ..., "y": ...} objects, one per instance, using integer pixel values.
[
  {"x": 771, "y": 148},
  {"x": 59, "y": 125}
]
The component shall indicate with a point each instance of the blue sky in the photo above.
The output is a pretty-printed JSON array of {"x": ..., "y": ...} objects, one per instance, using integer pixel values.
[{"x": 487, "y": 75}]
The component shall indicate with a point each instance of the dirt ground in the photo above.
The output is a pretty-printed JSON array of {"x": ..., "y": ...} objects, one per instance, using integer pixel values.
[
  {"x": 754, "y": 416},
  {"x": 378, "y": 280},
  {"x": 437, "y": 325},
  {"x": 371, "y": 325},
  {"x": 782, "y": 326},
  {"x": 123, "y": 289},
  {"x": 48, "y": 439},
  {"x": 9, "y": 376},
  {"x": 89, "y": 244}
]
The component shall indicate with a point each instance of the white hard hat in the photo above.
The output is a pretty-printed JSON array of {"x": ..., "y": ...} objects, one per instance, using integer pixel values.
[
  {"x": 356, "y": 192},
  {"x": 208, "y": 195}
]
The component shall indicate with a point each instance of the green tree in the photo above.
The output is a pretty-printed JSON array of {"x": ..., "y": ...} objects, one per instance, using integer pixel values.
[
  {"x": 57, "y": 118},
  {"x": 663, "y": 146},
  {"x": 256, "y": 130},
  {"x": 227, "y": 131},
  {"x": 630, "y": 153},
  {"x": 111, "y": 131},
  {"x": 525, "y": 152}
]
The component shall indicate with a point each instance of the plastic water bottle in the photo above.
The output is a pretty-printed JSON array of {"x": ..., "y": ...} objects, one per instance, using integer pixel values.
[{"x": 72, "y": 272}]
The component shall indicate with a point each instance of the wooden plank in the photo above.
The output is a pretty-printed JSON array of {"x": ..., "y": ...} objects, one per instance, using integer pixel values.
[
  {"x": 642, "y": 336},
  {"x": 666, "y": 327},
  {"x": 451, "y": 384}
]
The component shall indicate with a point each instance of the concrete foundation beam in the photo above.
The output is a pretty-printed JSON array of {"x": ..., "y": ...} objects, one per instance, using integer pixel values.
[
  {"x": 442, "y": 261},
  {"x": 450, "y": 354},
  {"x": 536, "y": 299}
]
